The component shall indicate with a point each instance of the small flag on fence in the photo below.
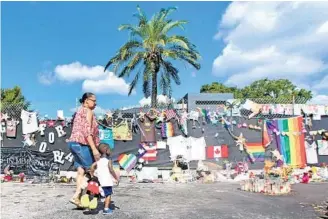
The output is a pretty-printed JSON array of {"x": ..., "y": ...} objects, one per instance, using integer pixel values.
[
  {"x": 151, "y": 152},
  {"x": 217, "y": 151}
]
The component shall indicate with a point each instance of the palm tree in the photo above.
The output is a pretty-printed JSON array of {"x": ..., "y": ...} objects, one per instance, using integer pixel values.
[{"x": 150, "y": 52}]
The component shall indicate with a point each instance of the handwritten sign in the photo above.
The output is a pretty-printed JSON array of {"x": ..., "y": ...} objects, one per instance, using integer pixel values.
[{"x": 16, "y": 158}]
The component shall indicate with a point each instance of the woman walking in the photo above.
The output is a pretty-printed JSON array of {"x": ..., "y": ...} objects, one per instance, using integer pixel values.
[{"x": 84, "y": 141}]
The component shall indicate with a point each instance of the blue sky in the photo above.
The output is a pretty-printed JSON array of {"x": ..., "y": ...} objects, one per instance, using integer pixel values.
[{"x": 45, "y": 46}]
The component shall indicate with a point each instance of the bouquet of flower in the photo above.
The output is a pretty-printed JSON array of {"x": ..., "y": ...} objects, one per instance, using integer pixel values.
[{"x": 21, "y": 176}]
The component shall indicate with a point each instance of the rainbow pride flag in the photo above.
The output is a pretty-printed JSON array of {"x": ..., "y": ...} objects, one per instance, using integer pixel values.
[
  {"x": 127, "y": 161},
  {"x": 167, "y": 130},
  {"x": 291, "y": 144},
  {"x": 256, "y": 151}
]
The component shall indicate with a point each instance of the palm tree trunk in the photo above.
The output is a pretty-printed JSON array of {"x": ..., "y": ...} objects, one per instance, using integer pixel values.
[{"x": 154, "y": 90}]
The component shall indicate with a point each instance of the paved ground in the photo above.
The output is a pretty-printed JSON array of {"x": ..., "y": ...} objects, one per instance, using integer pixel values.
[{"x": 145, "y": 201}]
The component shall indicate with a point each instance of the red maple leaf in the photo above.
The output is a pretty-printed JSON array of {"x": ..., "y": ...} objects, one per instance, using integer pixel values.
[{"x": 217, "y": 151}]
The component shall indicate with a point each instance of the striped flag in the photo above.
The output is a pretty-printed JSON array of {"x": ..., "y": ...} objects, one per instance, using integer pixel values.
[
  {"x": 142, "y": 151},
  {"x": 151, "y": 151},
  {"x": 256, "y": 151},
  {"x": 127, "y": 161},
  {"x": 266, "y": 141},
  {"x": 217, "y": 151},
  {"x": 170, "y": 114}
]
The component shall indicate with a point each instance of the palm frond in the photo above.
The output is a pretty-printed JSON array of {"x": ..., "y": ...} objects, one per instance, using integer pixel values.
[
  {"x": 171, "y": 71},
  {"x": 141, "y": 16},
  {"x": 191, "y": 52},
  {"x": 127, "y": 27},
  {"x": 165, "y": 83},
  {"x": 118, "y": 61},
  {"x": 124, "y": 53},
  {"x": 167, "y": 53},
  {"x": 135, "y": 60},
  {"x": 170, "y": 25},
  {"x": 191, "y": 61},
  {"x": 167, "y": 12},
  {"x": 132, "y": 44},
  {"x": 134, "y": 30},
  {"x": 179, "y": 53},
  {"x": 114, "y": 59},
  {"x": 180, "y": 41},
  {"x": 160, "y": 15},
  {"x": 134, "y": 83}
]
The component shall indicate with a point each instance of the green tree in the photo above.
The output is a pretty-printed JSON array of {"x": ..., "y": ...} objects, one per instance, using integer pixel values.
[
  {"x": 217, "y": 87},
  {"x": 150, "y": 52},
  {"x": 275, "y": 91},
  {"x": 13, "y": 101}
]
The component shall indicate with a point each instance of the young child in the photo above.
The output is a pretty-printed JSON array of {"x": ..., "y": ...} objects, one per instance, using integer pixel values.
[{"x": 106, "y": 174}]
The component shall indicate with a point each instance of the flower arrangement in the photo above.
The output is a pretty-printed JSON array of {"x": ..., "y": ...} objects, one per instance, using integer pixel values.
[{"x": 21, "y": 177}]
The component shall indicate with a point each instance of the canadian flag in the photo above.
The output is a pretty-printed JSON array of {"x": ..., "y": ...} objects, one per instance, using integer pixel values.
[
  {"x": 151, "y": 152},
  {"x": 217, "y": 151}
]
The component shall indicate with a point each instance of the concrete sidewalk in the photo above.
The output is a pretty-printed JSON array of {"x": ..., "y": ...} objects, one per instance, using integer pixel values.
[{"x": 145, "y": 201}]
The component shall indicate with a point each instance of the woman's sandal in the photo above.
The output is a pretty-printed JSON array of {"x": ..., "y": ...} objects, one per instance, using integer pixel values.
[{"x": 76, "y": 201}]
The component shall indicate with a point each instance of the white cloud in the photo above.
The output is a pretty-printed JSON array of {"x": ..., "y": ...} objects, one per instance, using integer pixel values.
[
  {"x": 46, "y": 78},
  {"x": 109, "y": 84},
  {"x": 76, "y": 72},
  {"x": 94, "y": 78},
  {"x": 320, "y": 99},
  {"x": 161, "y": 99},
  {"x": 323, "y": 28},
  {"x": 274, "y": 40}
]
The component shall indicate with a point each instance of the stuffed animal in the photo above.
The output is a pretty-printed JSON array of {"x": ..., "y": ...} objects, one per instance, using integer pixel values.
[{"x": 90, "y": 199}]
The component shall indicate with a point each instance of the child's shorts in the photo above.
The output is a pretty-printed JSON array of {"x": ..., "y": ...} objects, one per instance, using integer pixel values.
[{"x": 108, "y": 190}]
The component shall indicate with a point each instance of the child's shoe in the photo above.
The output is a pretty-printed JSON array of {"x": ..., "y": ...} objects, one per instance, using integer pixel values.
[{"x": 108, "y": 211}]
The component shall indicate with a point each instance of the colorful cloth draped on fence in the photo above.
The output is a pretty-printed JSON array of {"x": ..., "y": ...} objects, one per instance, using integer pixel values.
[
  {"x": 151, "y": 151},
  {"x": 256, "y": 150},
  {"x": 266, "y": 140},
  {"x": 290, "y": 140},
  {"x": 127, "y": 161},
  {"x": 106, "y": 136},
  {"x": 167, "y": 130}
]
